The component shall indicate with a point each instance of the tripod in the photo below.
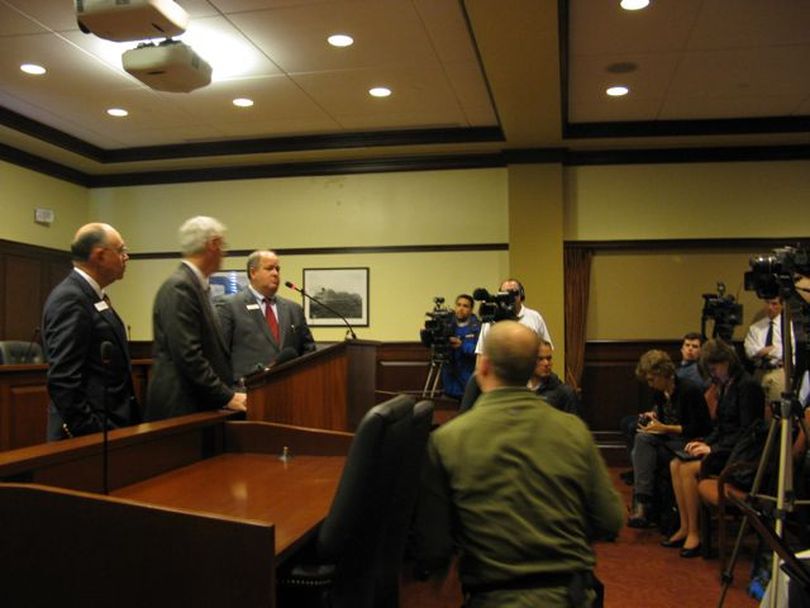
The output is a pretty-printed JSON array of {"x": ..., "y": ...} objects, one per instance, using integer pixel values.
[
  {"x": 438, "y": 357},
  {"x": 785, "y": 498}
]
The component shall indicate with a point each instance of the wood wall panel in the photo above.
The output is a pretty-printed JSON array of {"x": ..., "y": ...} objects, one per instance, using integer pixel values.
[{"x": 27, "y": 275}]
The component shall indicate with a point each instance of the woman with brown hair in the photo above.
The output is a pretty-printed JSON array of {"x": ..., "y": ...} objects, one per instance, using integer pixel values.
[{"x": 740, "y": 403}]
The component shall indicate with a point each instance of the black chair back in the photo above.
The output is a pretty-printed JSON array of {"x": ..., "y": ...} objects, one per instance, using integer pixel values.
[
  {"x": 18, "y": 352},
  {"x": 351, "y": 536},
  {"x": 404, "y": 500}
]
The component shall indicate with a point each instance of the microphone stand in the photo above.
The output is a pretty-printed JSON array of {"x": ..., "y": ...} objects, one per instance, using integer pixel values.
[
  {"x": 31, "y": 345},
  {"x": 349, "y": 331},
  {"x": 106, "y": 356}
]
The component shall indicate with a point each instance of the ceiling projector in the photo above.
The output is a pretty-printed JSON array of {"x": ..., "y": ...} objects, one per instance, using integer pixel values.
[
  {"x": 127, "y": 20},
  {"x": 169, "y": 66}
]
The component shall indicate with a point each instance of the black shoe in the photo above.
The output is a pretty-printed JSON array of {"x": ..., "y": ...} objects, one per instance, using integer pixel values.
[
  {"x": 690, "y": 553},
  {"x": 673, "y": 544},
  {"x": 640, "y": 517},
  {"x": 627, "y": 477}
]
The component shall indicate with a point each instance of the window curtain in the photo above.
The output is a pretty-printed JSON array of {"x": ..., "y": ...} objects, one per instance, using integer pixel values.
[{"x": 577, "y": 278}]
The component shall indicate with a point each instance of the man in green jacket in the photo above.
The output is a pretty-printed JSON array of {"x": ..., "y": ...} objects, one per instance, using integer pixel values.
[{"x": 517, "y": 487}]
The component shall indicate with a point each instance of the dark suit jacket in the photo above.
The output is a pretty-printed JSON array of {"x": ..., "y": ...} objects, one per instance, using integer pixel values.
[
  {"x": 191, "y": 371},
  {"x": 248, "y": 336},
  {"x": 73, "y": 331}
]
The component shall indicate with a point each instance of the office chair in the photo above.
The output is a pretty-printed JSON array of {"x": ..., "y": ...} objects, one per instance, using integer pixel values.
[
  {"x": 16, "y": 352},
  {"x": 342, "y": 567},
  {"x": 404, "y": 501}
]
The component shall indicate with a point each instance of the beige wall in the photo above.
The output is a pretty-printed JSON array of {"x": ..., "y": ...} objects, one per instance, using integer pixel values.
[
  {"x": 659, "y": 295},
  {"x": 23, "y": 190},
  {"x": 711, "y": 200},
  {"x": 415, "y": 208}
]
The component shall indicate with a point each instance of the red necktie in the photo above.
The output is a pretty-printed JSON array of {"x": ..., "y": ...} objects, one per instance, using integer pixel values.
[{"x": 271, "y": 319}]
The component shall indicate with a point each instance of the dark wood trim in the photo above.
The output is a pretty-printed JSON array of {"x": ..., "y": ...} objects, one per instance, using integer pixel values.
[
  {"x": 38, "y": 130},
  {"x": 724, "y": 244},
  {"x": 686, "y": 155},
  {"x": 162, "y": 255},
  {"x": 660, "y": 128},
  {"x": 42, "y": 165}
]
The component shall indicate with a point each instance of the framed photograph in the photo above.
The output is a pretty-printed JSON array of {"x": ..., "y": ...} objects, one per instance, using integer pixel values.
[
  {"x": 344, "y": 290},
  {"x": 227, "y": 282}
]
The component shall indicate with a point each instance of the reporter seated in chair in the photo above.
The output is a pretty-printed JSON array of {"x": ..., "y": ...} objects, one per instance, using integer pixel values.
[
  {"x": 741, "y": 402},
  {"x": 679, "y": 415}
]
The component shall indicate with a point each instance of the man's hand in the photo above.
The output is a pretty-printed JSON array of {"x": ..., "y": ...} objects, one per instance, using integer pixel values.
[
  {"x": 238, "y": 402},
  {"x": 455, "y": 342},
  {"x": 764, "y": 351}
]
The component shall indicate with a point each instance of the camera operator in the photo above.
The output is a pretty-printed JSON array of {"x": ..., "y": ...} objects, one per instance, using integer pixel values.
[
  {"x": 461, "y": 364},
  {"x": 523, "y": 315},
  {"x": 763, "y": 347}
]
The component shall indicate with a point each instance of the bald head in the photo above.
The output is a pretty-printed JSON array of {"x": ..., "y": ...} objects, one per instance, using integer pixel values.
[
  {"x": 99, "y": 250},
  {"x": 509, "y": 357}
]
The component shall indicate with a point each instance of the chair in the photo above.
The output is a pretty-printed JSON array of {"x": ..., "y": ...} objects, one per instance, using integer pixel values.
[
  {"x": 343, "y": 566},
  {"x": 404, "y": 502},
  {"x": 16, "y": 352}
]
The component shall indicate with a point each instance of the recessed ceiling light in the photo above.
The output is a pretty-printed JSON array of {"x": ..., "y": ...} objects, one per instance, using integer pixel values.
[
  {"x": 33, "y": 69},
  {"x": 243, "y": 102},
  {"x": 634, "y": 5},
  {"x": 340, "y": 40},
  {"x": 379, "y": 92},
  {"x": 617, "y": 91},
  {"x": 117, "y": 112}
]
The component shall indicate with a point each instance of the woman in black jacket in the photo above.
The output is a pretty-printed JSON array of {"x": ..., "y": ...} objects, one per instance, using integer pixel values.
[{"x": 741, "y": 402}]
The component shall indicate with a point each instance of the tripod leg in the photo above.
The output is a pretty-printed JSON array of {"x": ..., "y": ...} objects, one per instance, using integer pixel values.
[
  {"x": 429, "y": 380},
  {"x": 436, "y": 379},
  {"x": 727, "y": 577}
]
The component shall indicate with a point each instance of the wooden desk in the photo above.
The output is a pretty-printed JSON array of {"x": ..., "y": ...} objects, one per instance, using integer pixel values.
[{"x": 201, "y": 513}]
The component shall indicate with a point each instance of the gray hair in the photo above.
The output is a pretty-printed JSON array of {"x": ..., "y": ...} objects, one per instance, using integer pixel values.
[
  {"x": 255, "y": 259},
  {"x": 195, "y": 233}
]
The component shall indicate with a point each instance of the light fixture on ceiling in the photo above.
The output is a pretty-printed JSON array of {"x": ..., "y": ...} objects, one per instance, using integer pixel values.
[
  {"x": 634, "y": 5},
  {"x": 340, "y": 40},
  {"x": 242, "y": 102},
  {"x": 617, "y": 91},
  {"x": 379, "y": 92},
  {"x": 117, "y": 112},
  {"x": 33, "y": 69}
]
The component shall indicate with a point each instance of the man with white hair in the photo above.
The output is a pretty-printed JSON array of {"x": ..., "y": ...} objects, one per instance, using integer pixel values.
[{"x": 191, "y": 369}]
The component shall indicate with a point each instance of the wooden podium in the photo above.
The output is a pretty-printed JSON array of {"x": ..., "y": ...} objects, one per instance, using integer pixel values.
[{"x": 330, "y": 388}]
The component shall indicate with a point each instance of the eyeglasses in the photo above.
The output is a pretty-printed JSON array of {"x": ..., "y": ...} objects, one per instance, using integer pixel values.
[{"x": 122, "y": 250}]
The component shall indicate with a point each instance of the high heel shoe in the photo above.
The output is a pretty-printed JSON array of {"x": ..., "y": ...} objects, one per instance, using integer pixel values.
[
  {"x": 692, "y": 552},
  {"x": 673, "y": 544}
]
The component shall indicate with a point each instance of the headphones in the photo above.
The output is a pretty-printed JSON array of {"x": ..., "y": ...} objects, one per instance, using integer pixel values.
[{"x": 521, "y": 291}]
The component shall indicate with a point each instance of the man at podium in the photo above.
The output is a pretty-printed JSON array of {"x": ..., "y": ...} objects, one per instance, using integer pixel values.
[{"x": 258, "y": 325}]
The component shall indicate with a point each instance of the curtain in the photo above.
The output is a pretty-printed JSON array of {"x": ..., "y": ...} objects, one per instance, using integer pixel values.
[{"x": 577, "y": 279}]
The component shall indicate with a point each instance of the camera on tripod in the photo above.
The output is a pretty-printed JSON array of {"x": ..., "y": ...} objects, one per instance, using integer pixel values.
[
  {"x": 496, "y": 307},
  {"x": 439, "y": 328},
  {"x": 724, "y": 310}
]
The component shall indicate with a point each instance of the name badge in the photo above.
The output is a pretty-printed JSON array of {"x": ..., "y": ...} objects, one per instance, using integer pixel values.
[
  {"x": 252, "y": 306},
  {"x": 101, "y": 306}
]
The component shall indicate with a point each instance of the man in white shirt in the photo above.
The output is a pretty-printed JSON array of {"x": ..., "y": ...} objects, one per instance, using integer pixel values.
[
  {"x": 763, "y": 347},
  {"x": 525, "y": 315}
]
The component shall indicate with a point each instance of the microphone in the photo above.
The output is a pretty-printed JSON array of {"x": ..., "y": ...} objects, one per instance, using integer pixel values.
[
  {"x": 288, "y": 353},
  {"x": 106, "y": 358},
  {"x": 295, "y": 287},
  {"x": 31, "y": 342}
]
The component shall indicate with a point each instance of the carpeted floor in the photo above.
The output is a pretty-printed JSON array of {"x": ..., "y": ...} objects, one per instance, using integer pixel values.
[{"x": 636, "y": 572}]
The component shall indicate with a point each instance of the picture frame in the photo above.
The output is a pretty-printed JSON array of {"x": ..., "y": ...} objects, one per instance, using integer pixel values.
[
  {"x": 345, "y": 290},
  {"x": 228, "y": 282}
]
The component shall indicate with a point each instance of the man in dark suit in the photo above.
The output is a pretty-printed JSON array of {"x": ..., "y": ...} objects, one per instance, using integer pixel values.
[
  {"x": 77, "y": 320},
  {"x": 191, "y": 369},
  {"x": 257, "y": 324}
]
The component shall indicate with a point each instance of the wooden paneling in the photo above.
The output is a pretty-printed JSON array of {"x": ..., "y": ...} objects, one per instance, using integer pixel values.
[
  {"x": 24, "y": 401},
  {"x": 27, "y": 275}
]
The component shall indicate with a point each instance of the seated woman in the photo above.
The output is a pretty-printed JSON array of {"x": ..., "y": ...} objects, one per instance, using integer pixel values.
[
  {"x": 741, "y": 401},
  {"x": 679, "y": 415}
]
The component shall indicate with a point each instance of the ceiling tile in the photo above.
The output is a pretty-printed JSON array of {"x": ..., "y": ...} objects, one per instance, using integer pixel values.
[{"x": 728, "y": 24}]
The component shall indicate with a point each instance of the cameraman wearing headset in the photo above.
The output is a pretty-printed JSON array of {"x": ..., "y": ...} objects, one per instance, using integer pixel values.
[
  {"x": 523, "y": 315},
  {"x": 461, "y": 364}
]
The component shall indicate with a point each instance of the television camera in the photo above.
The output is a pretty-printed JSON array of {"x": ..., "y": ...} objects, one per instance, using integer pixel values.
[
  {"x": 495, "y": 307},
  {"x": 723, "y": 310}
]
